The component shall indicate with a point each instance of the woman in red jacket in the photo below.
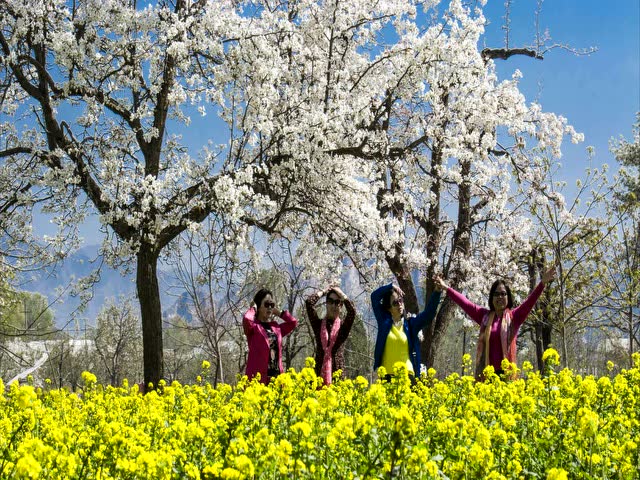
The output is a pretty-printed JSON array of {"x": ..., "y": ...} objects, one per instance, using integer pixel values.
[{"x": 264, "y": 336}]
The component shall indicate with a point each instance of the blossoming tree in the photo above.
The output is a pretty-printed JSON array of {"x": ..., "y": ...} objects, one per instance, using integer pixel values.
[
  {"x": 437, "y": 139},
  {"x": 93, "y": 94},
  {"x": 96, "y": 99},
  {"x": 366, "y": 127},
  {"x": 622, "y": 268}
]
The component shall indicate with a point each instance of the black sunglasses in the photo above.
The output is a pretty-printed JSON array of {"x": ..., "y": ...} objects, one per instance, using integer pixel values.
[
  {"x": 268, "y": 304},
  {"x": 398, "y": 302},
  {"x": 334, "y": 301}
]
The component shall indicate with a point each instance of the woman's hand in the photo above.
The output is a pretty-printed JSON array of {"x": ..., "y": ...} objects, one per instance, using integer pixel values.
[
  {"x": 549, "y": 275},
  {"x": 398, "y": 291},
  {"x": 440, "y": 284},
  {"x": 338, "y": 291}
]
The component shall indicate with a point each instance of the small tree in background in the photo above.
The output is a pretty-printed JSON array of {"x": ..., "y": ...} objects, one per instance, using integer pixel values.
[
  {"x": 69, "y": 356},
  {"x": 622, "y": 265},
  {"x": 29, "y": 317},
  {"x": 570, "y": 231},
  {"x": 117, "y": 341},
  {"x": 358, "y": 351}
]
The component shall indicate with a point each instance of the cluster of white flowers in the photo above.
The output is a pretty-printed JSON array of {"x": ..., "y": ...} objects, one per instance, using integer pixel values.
[{"x": 337, "y": 124}]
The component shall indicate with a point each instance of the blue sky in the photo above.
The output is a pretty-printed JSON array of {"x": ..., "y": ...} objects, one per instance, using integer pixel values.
[{"x": 598, "y": 93}]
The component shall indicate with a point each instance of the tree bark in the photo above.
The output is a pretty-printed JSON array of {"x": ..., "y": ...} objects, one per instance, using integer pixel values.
[
  {"x": 565, "y": 350},
  {"x": 436, "y": 332},
  {"x": 150, "y": 313},
  {"x": 631, "y": 336},
  {"x": 461, "y": 247},
  {"x": 464, "y": 347},
  {"x": 405, "y": 282},
  {"x": 543, "y": 339},
  {"x": 543, "y": 326},
  {"x": 433, "y": 230}
]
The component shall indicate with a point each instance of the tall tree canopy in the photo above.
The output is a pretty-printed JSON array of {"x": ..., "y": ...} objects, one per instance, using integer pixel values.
[{"x": 369, "y": 129}]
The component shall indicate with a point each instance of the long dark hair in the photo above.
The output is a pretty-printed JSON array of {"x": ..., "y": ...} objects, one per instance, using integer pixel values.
[
  {"x": 494, "y": 287},
  {"x": 259, "y": 296},
  {"x": 386, "y": 300}
]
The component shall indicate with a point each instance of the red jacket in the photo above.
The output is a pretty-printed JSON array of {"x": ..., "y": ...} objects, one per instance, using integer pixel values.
[{"x": 258, "y": 358}]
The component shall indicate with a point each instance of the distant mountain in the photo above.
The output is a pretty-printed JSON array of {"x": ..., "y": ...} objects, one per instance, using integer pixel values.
[
  {"x": 111, "y": 284},
  {"x": 180, "y": 306}
]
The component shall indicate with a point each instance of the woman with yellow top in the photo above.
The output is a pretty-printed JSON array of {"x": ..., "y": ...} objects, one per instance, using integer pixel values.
[{"x": 397, "y": 339}]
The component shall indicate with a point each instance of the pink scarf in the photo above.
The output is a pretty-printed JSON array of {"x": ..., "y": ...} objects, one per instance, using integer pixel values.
[
  {"x": 327, "y": 347},
  {"x": 507, "y": 341}
]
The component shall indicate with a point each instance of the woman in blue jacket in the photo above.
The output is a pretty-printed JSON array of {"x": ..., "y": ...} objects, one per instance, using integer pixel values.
[{"x": 397, "y": 339}]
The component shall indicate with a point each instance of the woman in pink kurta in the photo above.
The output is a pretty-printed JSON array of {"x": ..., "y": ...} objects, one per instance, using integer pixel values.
[
  {"x": 264, "y": 336},
  {"x": 500, "y": 323}
]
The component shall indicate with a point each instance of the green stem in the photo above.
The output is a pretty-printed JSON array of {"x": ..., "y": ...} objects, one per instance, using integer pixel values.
[{"x": 13, "y": 437}]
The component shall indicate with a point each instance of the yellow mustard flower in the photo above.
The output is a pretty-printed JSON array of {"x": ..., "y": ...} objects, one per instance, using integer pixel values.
[{"x": 557, "y": 474}]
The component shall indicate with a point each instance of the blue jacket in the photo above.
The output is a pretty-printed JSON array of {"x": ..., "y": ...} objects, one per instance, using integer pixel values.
[{"x": 412, "y": 326}]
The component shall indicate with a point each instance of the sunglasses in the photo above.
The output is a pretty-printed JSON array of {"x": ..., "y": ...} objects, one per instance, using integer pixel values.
[
  {"x": 334, "y": 301},
  {"x": 268, "y": 304},
  {"x": 398, "y": 302}
]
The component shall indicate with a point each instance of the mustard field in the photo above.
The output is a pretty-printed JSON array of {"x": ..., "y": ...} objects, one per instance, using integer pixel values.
[{"x": 553, "y": 426}]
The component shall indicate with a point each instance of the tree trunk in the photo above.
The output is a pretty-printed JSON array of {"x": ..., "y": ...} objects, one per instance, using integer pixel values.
[
  {"x": 464, "y": 347},
  {"x": 219, "y": 375},
  {"x": 60, "y": 365},
  {"x": 565, "y": 352},
  {"x": 212, "y": 335},
  {"x": 395, "y": 259},
  {"x": 219, "y": 370},
  {"x": 405, "y": 282},
  {"x": 543, "y": 340},
  {"x": 151, "y": 314},
  {"x": 543, "y": 326},
  {"x": 436, "y": 332},
  {"x": 631, "y": 336},
  {"x": 460, "y": 248},
  {"x": 561, "y": 300},
  {"x": 434, "y": 234}
]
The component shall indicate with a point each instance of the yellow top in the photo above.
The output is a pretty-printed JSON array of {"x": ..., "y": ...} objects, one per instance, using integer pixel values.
[{"x": 396, "y": 349}]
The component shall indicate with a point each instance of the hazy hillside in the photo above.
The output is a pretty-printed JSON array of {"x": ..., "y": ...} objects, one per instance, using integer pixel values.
[{"x": 111, "y": 284}]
